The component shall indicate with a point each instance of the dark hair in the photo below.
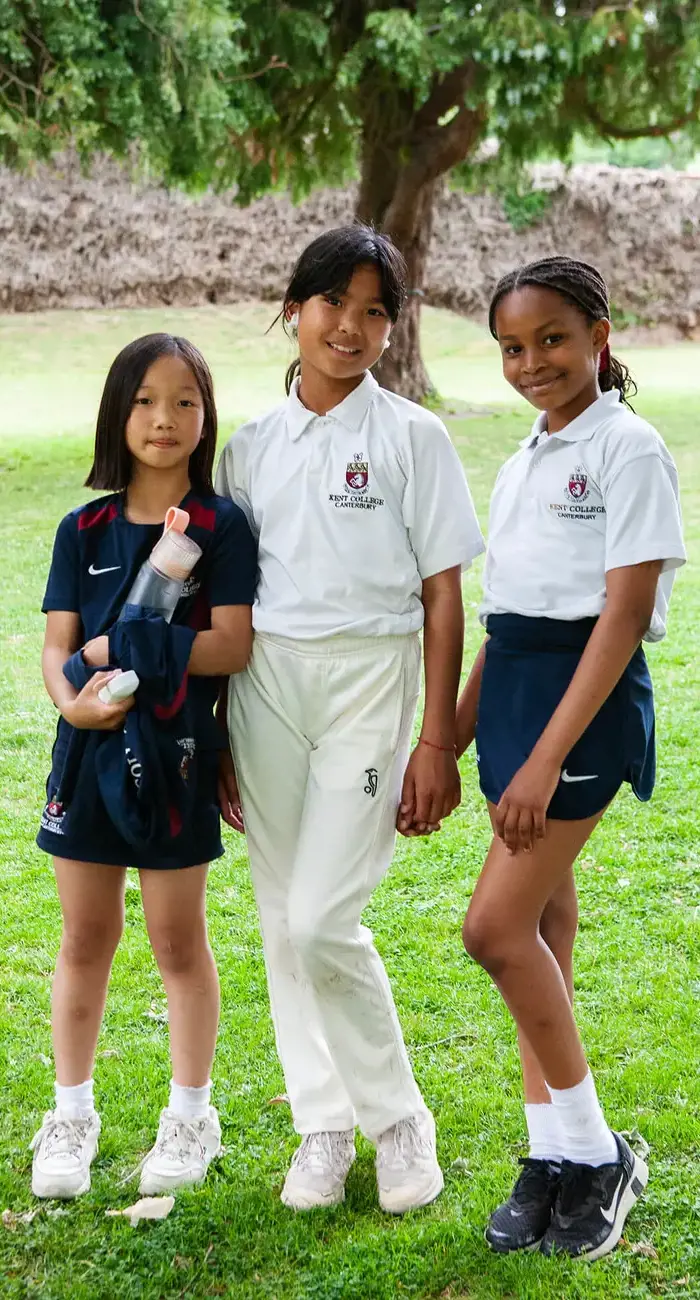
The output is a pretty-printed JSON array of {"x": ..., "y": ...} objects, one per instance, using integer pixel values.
[
  {"x": 584, "y": 287},
  {"x": 328, "y": 264},
  {"x": 111, "y": 466}
]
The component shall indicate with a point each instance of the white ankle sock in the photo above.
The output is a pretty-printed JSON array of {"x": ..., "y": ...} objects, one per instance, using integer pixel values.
[
  {"x": 587, "y": 1140},
  {"x": 75, "y": 1102},
  {"x": 544, "y": 1131},
  {"x": 189, "y": 1103}
]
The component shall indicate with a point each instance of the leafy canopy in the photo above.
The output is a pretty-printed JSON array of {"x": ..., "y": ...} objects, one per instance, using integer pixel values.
[{"x": 257, "y": 94}]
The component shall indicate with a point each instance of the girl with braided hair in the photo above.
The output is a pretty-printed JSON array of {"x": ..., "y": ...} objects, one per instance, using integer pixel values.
[{"x": 584, "y": 539}]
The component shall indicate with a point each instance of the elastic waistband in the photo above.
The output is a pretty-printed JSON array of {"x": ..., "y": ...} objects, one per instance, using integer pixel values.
[
  {"x": 330, "y": 647},
  {"x": 523, "y": 633}
]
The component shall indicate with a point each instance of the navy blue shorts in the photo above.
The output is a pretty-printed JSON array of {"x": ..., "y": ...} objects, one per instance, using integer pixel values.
[
  {"x": 529, "y": 664},
  {"x": 96, "y": 839}
]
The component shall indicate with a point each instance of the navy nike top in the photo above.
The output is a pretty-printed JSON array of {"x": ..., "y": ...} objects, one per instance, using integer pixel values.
[{"x": 98, "y": 552}]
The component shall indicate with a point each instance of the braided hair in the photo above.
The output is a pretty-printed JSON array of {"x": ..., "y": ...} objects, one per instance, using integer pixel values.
[{"x": 584, "y": 287}]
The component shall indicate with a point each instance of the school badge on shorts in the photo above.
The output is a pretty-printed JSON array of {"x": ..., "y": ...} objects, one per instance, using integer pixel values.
[
  {"x": 577, "y": 487},
  {"x": 188, "y": 745},
  {"x": 52, "y": 817},
  {"x": 357, "y": 475}
]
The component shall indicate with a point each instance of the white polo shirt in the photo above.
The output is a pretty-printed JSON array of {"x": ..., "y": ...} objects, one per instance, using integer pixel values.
[
  {"x": 599, "y": 494},
  {"x": 352, "y": 510}
]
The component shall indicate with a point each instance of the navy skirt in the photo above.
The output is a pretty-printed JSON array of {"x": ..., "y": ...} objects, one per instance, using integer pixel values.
[{"x": 528, "y": 666}]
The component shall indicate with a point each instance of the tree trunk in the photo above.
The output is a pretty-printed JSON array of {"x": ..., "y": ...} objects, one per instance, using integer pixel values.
[
  {"x": 405, "y": 156},
  {"x": 401, "y": 368}
]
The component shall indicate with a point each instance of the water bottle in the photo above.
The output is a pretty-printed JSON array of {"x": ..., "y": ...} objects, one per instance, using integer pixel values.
[{"x": 159, "y": 582}]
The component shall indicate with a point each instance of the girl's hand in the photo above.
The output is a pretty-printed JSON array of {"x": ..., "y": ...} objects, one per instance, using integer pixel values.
[
  {"x": 229, "y": 798},
  {"x": 88, "y": 713},
  {"x": 414, "y": 832},
  {"x": 431, "y": 790},
  {"x": 96, "y": 652},
  {"x": 522, "y": 810}
]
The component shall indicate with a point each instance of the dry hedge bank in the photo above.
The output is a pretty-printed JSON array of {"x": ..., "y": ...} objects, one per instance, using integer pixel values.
[{"x": 72, "y": 241}]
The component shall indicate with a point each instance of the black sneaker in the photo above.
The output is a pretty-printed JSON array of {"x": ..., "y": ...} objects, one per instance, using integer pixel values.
[
  {"x": 521, "y": 1222},
  {"x": 593, "y": 1203}
]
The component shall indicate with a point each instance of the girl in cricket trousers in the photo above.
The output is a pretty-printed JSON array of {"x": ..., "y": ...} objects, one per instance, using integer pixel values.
[
  {"x": 156, "y": 435},
  {"x": 584, "y": 539},
  {"x": 364, "y": 523}
]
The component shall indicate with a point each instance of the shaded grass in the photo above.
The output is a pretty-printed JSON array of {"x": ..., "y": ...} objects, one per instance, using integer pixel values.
[{"x": 638, "y": 968}]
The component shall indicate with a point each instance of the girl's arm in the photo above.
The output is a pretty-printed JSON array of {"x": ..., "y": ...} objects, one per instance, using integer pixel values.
[
  {"x": 82, "y": 709},
  {"x": 229, "y": 798},
  {"x": 629, "y": 604},
  {"x": 226, "y": 647},
  {"x": 468, "y": 703},
  {"x": 431, "y": 788},
  {"x": 222, "y": 649}
]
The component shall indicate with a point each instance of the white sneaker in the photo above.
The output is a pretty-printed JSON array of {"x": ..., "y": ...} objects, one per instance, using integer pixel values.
[
  {"x": 408, "y": 1173},
  {"x": 63, "y": 1150},
  {"x": 318, "y": 1171},
  {"x": 183, "y": 1151}
]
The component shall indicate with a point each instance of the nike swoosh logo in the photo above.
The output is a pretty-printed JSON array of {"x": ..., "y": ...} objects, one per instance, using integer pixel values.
[
  {"x": 112, "y": 569},
  {"x": 609, "y": 1215},
  {"x": 570, "y": 779}
]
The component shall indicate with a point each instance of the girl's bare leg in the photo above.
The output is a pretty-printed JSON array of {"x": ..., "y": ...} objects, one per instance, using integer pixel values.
[
  {"x": 92, "y": 903},
  {"x": 502, "y": 932},
  {"x": 174, "y": 906},
  {"x": 558, "y": 926}
]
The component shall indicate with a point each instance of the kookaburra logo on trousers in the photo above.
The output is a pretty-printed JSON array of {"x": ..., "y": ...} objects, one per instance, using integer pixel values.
[{"x": 372, "y": 781}]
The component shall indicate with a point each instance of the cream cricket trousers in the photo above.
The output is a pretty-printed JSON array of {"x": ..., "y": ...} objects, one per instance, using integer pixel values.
[{"x": 321, "y": 732}]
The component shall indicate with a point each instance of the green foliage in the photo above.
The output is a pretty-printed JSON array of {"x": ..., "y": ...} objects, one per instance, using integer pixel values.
[
  {"x": 258, "y": 94},
  {"x": 677, "y": 151},
  {"x": 525, "y": 207}
]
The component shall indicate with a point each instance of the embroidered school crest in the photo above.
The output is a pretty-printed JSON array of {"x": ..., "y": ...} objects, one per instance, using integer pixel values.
[
  {"x": 188, "y": 745},
  {"x": 357, "y": 475},
  {"x": 52, "y": 817},
  {"x": 577, "y": 487}
]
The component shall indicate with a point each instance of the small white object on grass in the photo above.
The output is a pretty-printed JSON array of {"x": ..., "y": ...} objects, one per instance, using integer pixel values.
[{"x": 149, "y": 1207}]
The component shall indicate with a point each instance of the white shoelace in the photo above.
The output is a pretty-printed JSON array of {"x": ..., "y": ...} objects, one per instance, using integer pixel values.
[
  {"x": 319, "y": 1151},
  {"x": 172, "y": 1132},
  {"x": 181, "y": 1135},
  {"x": 61, "y": 1137},
  {"x": 409, "y": 1141}
]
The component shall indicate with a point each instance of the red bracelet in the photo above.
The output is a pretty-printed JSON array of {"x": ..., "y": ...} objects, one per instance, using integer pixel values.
[{"x": 444, "y": 749}]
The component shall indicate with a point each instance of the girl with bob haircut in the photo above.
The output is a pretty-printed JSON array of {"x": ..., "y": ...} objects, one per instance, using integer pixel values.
[
  {"x": 584, "y": 540},
  {"x": 154, "y": 447},
  {"x": 364, "y": 522}
]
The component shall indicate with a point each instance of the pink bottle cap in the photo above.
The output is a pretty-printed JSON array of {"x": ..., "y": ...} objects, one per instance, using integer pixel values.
[{"x": 175, "y": 554}]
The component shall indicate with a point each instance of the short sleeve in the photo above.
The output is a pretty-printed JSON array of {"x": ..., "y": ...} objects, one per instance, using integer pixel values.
[
  {"x": 62, "y": 587},
  {"x": 233, "y": 566},
  {"x": 438, "y": 508},
  {"x": 643, "y": 515},
  {"x": 231, "y": 474}
]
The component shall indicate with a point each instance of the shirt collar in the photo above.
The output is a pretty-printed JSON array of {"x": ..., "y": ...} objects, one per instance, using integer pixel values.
[
  {"x": 580, "y": 429},
  {"x": 350, "y": 412}
]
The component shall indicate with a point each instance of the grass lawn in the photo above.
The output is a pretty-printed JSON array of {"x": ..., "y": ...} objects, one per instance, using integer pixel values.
[{"x": 638, "y": 973}]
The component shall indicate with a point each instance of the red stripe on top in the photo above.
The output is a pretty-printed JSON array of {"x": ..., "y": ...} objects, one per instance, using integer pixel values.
[
  {"x": 200, "y": 614},
  {"x": 88, "y": 518},
  {"x": 201, "y": 516},
  {"x": 175, "y": 821},
  {"x": 167, "y": 711}
]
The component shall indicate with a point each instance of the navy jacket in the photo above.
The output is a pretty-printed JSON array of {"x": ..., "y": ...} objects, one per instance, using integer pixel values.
[{"x": 145, "y": 772}]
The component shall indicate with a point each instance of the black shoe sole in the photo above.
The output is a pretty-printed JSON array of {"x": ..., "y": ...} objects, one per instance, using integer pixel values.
[{"x": 511, "y": 1250}]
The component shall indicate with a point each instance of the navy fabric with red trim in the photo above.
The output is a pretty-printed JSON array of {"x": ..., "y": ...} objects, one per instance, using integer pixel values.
[{"x": 144, "y": 775}]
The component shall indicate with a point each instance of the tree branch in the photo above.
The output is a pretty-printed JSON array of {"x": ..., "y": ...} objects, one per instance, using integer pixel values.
[
  {"x": 273, "y": 62},
  {"x": 614, "y": 132}
]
